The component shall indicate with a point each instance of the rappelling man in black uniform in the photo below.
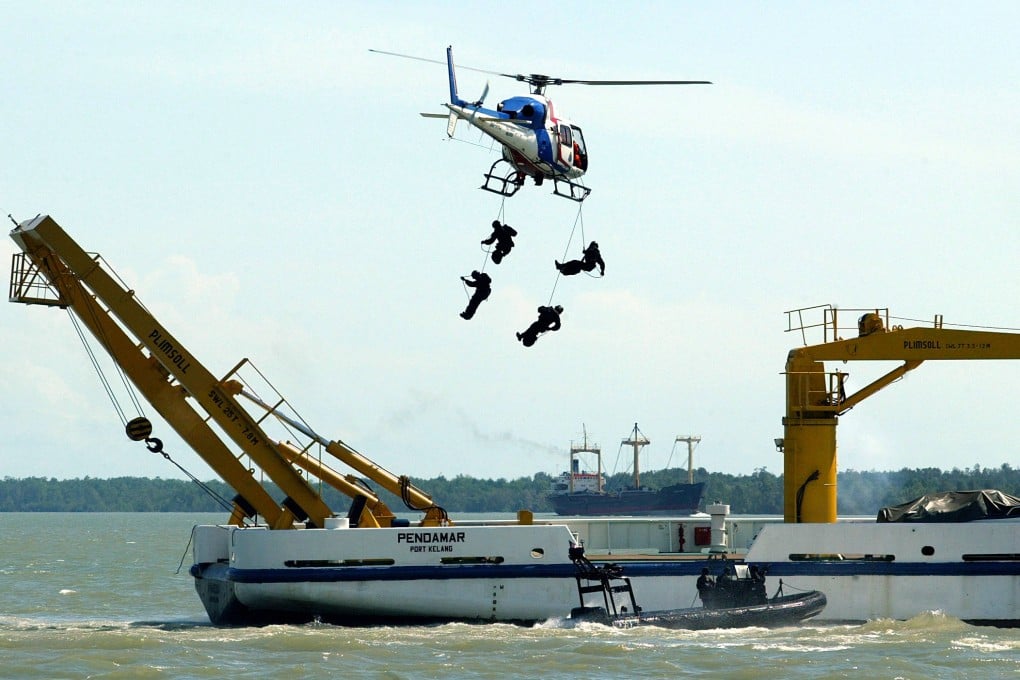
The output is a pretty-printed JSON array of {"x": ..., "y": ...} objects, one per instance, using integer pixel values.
[
  {"x": 482, "y": 283},
  {"x": 503, "y": 237},
  {"x": 592, "y": 258},
  {"x": 548, "y": 320}
]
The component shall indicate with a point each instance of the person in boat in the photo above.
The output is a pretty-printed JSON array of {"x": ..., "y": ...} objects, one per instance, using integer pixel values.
[
  {"x": 482, "y": 283},
  {"x": 548, "y": 320},
  {"x": 758, "y": 584},
  {"x": 503, "y": 236},
  {"x": 725, "y": 590},
  {"x": 727, "y": 577},
  {"x": 590, "y": 259},
  {"x": 705, "y": 583}
]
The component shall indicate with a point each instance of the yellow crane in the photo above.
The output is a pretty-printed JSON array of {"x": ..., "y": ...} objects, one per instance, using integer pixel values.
[
  {"x": 54, "y": 270},
  {"x": 815, "y": 397}
]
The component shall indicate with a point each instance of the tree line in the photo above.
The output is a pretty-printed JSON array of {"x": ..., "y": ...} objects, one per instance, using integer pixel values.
[{"x": 760, "y": 493}]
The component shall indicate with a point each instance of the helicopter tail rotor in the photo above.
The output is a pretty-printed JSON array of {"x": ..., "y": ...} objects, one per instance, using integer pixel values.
[{"x": 481, "y": 99}]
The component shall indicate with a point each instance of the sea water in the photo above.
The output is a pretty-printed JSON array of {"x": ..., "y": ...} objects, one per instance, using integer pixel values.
[{"x": 107, "y": 595}]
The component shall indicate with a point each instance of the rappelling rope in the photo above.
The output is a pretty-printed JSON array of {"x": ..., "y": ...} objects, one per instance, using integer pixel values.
[
  {"x": 579, "y": 220},
  {"x": 486, "y": 249}
]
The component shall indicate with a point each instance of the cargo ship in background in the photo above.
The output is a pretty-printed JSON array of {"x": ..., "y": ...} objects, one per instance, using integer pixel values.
[{"x": 581, "y": 493}]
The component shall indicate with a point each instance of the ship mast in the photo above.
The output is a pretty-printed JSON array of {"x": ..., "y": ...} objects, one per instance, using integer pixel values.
[
  {"x": 692, "y": 441},
  {"x": 637, "y": 441},
  {"x": 585, "y": 448}
]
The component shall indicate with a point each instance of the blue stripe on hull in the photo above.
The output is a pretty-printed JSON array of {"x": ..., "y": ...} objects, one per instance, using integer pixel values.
[
  {"x": 636, "y": 569},
  {"x": 825, "y": 568}
]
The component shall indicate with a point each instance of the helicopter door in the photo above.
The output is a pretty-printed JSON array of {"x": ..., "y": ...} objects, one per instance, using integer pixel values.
[
  {"x": 566, "y": 145},
  {"x": 580, "y": 152}
]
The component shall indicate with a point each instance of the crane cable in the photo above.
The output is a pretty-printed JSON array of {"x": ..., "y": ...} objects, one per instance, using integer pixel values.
[
  {"x": 101, "y": 335},
  {"x": 154, "y": 444},
  {"x": 957, "y": 325},
  {"x": 102, "y": 376}
]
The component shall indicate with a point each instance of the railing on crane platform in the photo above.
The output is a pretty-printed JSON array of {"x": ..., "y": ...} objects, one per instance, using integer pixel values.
[
  {"x": 831, "y": 329},
  {"x": 834, "y": 393},
  {"x": 29, "y": 286}
]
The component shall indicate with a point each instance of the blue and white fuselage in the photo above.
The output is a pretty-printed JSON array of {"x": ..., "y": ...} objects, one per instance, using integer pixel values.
[{"x": 534, "y": 140}]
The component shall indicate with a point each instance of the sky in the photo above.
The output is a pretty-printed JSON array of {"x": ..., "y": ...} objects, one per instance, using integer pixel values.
[{"x": 266, "y": 186}]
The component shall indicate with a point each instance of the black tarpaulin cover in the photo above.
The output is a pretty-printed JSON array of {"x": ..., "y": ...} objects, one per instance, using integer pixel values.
[{"x": 954, "y": 506}]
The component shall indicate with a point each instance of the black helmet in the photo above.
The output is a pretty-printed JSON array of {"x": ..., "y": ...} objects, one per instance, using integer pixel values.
[
  {"x": 496, "y": 224},
  {"x": 559, "y": 309}
]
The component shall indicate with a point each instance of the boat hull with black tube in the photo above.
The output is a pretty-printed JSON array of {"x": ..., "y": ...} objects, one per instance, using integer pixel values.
[
  {"x": 732, "y": 595},
  {"x": 779, "y": 611}
]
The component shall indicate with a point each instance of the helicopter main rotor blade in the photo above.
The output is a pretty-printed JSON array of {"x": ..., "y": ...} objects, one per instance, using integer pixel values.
[
  {"x": 437, "y": 61},
  {"x": 564, "y": 81},
  {"x": 542, "y": 81}
]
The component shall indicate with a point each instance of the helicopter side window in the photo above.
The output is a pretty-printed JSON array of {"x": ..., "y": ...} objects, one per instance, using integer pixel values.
[
  {"x": 565, "y": 136},
  {"x": 565, "y": 144}
]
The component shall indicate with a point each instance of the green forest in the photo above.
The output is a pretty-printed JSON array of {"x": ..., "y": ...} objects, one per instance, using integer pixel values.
[{"x": 859, "y": 493}]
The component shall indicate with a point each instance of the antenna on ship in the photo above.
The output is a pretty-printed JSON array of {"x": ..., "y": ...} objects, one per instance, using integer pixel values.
[
  {"x": 637, "y": 441},
  {"x": 692, "y": 441},
  {"x": 585, "y": 448}
]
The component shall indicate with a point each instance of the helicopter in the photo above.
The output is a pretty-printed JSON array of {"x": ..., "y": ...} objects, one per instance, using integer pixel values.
[{"x": 536, "y": 142}]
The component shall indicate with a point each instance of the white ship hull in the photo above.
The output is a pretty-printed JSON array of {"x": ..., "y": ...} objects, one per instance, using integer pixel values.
[
  {"x": 483, "y": 573},
  {"x": 523, "y": 573},
  {"x": 970, "y": 570}
]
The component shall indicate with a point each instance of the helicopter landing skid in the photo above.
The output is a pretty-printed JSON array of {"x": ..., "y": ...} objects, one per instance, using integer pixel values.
[
  {"x": 578, "y": 192},
  {"x": 503, "y": 184}
]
